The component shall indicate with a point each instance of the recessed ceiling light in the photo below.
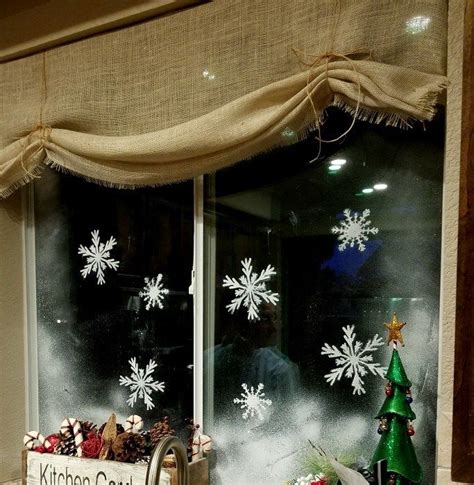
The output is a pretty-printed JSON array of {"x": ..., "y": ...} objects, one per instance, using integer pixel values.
[
  {"x": 333, "y": 168},
  {"x": 338, "y": 162},
  {"x": 367, "y": 190},
  {"x": 380, "y": 186}
]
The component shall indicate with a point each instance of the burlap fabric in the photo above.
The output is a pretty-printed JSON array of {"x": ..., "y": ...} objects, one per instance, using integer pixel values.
[{"x": 192, "y": 92}]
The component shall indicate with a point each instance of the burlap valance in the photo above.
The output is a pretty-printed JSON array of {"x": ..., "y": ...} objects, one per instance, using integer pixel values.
[
  {"x": 233, "y": 132},
  {"x": 192, "y": 92}
]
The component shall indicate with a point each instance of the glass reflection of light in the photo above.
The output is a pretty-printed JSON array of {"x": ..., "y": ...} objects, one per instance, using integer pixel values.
[
  {"x": 368, "y": 190},
  {"x": 417, "y": 24},
  {"x": 380, "y": 186},
  {"x": 288, "y": 133},
  {"x": 334, "y": 168},
  {"x": 207, "y": 75},
  {"x": 338, "y": 162}
]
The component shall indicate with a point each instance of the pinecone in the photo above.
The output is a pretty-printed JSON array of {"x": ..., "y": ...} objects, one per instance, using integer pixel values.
[
  {"x": 148, "y": 444},
  {"x": 88, "y": 427},
  {"x": 66, "y": 446},
  {"x": 129, "y": 447},
  {"x": 120, "y": 429},
  {"x": 161, "y": 430}
]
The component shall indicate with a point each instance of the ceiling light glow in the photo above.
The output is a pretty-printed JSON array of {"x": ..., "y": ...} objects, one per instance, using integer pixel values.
[
  {"x": 380, "y": 186},
  {"x": 338, "y": 162}
]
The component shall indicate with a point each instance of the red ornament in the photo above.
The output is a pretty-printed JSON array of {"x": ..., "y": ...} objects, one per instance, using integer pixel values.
[
  {"x": 40, "y": 449},
  {"x": 411, "y": 431},
  {"x": 319, "y": 481},
  {"x": 92, "y": 445},
  {"x": 53, "y": 440}
]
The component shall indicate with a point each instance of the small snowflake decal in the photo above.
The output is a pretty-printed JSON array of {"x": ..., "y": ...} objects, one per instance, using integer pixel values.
[
  {"x": 251, "y": 289},
  {"x": 141, "y": 383},
  {"x": 253, "y": 401},
  {"x": 98, "y": 257},
  {"x": 354, "y": 229},
  {"x": 353, "y": 360},
  {"x": 154, "y": 292}
]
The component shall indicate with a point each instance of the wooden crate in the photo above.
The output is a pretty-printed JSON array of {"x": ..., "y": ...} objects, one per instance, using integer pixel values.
[{"x": 48, "y": 469}]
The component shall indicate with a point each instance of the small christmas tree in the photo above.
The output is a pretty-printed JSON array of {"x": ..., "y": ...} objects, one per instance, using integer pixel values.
[{"x": 396, "y": 416}]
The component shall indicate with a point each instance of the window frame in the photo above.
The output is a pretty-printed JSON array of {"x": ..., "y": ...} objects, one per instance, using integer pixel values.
[{"x": 31, "y": 330}]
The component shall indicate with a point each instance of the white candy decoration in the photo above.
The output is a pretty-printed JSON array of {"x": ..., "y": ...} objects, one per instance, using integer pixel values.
[
  {"x": 197, "y": 451},
  {"x": 308, "y": 479},
  {"x": 72, "y": 426},
  {"x": 134, "y": 424},
  {"x": 201, "y": 444},
  {"x": 32, "y": 439},
  {"x": 206, "y": 443}
]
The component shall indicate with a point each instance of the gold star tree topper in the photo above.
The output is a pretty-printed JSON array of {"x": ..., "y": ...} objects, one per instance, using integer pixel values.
[{"x": 395, "y": 331}]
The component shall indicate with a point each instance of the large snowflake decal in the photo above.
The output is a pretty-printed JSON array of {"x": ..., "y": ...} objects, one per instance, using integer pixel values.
[
  {"x": 141, "y": 383},
  {"x": 353, "y": 360},
  {"x": 354, "y": 229},
  {"x": 98, "y": 257},
  {"x": 154, "y": 292},
  {"x": 253, "y": 401},
  {"x": 251, "y": 289}
]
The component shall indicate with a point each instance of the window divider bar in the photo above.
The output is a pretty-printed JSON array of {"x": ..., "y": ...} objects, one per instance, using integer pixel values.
[
  {"x": 198, "y": 299},
  {"x": 31, "y": 323}
]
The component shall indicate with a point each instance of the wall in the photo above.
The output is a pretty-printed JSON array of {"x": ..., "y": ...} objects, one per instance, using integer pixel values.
[
  {"x": 450, "y": 241},
  {"x": 57, "y": 22},
  {"x": 12, "y": 368}
]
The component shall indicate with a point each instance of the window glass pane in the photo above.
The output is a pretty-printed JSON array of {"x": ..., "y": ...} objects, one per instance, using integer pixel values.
[
  {"x": 88, "y": 332},
  {"x": 333, "y": 286}
]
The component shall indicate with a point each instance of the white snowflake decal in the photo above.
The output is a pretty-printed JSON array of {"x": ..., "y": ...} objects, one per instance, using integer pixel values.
[
  {"x": 98, "y": 257},
  {"x": 251, "y": 289},
  {"x": 354, "y": 229},
  {"x": 353, "y": 360},
  {"x": 253, "y": 401},
  {"x": 141, "y": 383},
  {"x": 154, "y": 292}
]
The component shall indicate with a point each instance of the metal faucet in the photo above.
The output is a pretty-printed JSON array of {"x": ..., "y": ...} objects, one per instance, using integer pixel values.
[{"x": 158, "y": 455}]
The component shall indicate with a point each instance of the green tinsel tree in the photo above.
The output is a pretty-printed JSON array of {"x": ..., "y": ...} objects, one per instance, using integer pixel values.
[{"x": 396, "y": 417}]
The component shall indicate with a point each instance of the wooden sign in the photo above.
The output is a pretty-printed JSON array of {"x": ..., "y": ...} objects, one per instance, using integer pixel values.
[{"x": 48, "y": 469}]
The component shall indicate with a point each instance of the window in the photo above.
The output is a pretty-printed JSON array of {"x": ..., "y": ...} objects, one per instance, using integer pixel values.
[
  {"x": 285, "y": 216},
  {"x": 279, "y": 210},
  {"x": 88, "y": 332}
]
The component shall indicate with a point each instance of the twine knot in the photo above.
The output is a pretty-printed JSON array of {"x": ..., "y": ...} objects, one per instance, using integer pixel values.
[
  {"x": 44, "y": 132},
  {"x": 309, "y": 62},
  {"x": 41, "y": 132}
]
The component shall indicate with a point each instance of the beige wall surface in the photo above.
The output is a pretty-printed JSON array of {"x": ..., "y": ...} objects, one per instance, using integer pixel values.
[
  {"x": 12, "y": 369},
  {"x": 450, "y": 241},
  {"x": 28, "y": 26}
]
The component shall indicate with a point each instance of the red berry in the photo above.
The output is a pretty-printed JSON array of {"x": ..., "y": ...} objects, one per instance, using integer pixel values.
[{"x": 411, "y": 431}]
